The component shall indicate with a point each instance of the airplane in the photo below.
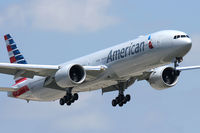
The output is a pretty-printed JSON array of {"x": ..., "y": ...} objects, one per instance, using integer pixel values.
[{"x": 116, "y": 68}]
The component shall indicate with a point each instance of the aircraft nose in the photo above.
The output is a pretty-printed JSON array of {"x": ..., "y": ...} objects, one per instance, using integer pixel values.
[
  {"x": 187, "y": 44},
  {"x": 184, "y": 46}
]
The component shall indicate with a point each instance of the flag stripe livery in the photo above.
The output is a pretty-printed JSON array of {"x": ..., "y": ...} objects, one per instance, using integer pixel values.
[{"x": 13, "y": 52}]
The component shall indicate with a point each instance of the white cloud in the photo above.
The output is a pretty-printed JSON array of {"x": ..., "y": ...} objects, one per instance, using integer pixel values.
[{"x": 59, "y": 15}]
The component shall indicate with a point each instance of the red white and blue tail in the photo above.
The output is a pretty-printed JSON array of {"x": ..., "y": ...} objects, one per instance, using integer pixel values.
[{"x": 14, "y": 54}]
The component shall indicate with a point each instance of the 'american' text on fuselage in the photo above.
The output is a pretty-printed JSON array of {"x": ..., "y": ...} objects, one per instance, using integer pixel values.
[{"x": 124, "y": 52}]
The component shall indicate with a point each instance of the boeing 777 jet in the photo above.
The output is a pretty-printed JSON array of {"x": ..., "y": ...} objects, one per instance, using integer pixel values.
[{"x": 112, "y": 69}]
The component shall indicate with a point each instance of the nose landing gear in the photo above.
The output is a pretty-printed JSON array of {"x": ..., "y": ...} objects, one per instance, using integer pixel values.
[
  {"x": 176, "y": 64},
  {"x": 177, "y": 61}
]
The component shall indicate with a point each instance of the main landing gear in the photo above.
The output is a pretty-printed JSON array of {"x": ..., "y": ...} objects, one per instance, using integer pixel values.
[
  {"x": 69, "y": 98},
  {"x": 121, "y": 99}
]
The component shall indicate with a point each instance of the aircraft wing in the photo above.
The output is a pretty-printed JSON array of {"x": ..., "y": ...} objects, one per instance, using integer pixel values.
[
  {"x": 146, "y": 75},
  {"x": 27, "y": 70},
  {"x": 188, "y": 68},
  {"x": 31, "y": 70}
]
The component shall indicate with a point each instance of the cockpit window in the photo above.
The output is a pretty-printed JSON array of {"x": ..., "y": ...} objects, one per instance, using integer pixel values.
[{"x": 181, "y": 36}]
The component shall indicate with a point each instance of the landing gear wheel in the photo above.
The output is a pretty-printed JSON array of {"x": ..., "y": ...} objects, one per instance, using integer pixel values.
[
  {"x": 69, "y": 103},
  {"x": 120, "y": 104},
  {"x": 121, "y": 86},
  {"x": 72, "y": 100},
  {"x": 117, "y": 100},
  {"x": 65, "y": 99},
  {"x": 62, "y": 101},
  {"x": 75, "y": 96},
  {"x": 128, "y": 97},
  {"x": 121, "y": 100},
  {"x": 124, "y": 100},
  {"x": 69, "y": 98},
  {"x": 114, "y": 102}
]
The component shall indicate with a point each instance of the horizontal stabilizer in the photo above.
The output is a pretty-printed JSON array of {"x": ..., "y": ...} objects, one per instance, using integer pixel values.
[{"x": 7, "y": 89}]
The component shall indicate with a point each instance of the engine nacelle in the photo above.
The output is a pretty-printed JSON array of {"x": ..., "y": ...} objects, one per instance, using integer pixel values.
[
  {"x": 163, "y": 78},
  {"x": 70, "y": 76}
]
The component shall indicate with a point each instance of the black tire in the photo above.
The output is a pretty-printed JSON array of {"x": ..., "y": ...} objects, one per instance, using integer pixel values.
[
  {"x": 75, "y": 97},
  {"x": 124, "y": 100},
  {"x": 62, "y": 101},
  {"x": 121, "y": 104},
  {"x": 128, "y": 97},
  {"x": 72, "y": 100},
  {"x": 114, "y": 102},
  {"x": 117, "y": 100},
  {"x": 69, "y": 103}
]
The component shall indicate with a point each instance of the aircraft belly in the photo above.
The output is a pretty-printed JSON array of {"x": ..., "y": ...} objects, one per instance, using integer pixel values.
[
  {"x": 47, "y": 94},
  {"x": 38, "y": 93},
  {"x": 94, "y": 85}
]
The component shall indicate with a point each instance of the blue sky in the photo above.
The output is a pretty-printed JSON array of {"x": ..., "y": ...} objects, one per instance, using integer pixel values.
[{"x": 52, "y": 32}]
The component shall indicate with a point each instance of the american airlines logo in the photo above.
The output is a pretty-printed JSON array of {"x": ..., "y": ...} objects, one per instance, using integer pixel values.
[{"x": 150, "y": 42}]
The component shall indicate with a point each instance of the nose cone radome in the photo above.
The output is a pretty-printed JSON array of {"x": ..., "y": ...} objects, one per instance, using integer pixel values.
[
  {"x": 187, "y": 44},
  {"x": 184, "y": 46}
]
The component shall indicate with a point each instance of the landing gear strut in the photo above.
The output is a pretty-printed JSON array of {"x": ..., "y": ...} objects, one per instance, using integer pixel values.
[
  {"x": 176, "y": 64},
  {"x": 121, "y": 99},
  {"x": 69, "y": 98},
  {"x": 177, "y": 61}
]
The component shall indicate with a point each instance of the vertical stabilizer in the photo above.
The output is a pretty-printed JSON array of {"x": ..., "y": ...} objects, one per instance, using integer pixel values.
[{"x": 14, "y": 54}]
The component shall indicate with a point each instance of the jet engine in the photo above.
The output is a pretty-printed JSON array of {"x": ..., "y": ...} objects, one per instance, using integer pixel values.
[
  {"x": 70, "y": 76},
  {"x": 163, "y": 78}
]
